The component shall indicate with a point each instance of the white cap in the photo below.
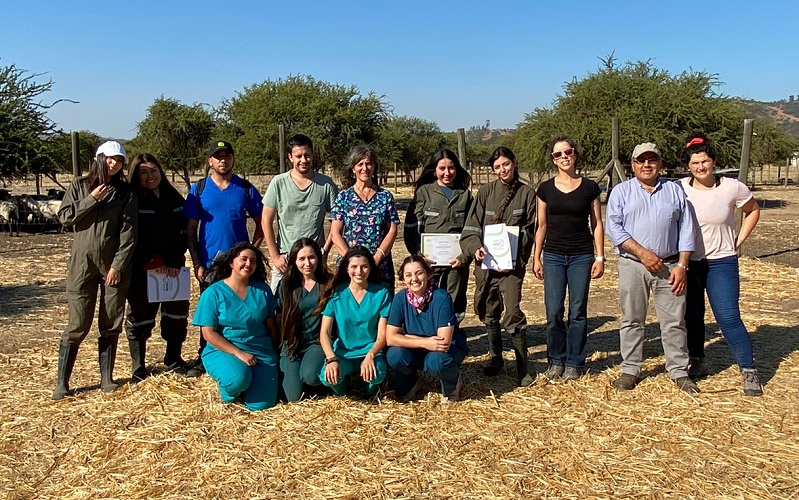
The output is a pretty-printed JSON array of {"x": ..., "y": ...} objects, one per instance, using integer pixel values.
[{"x": 111, "y": 148}]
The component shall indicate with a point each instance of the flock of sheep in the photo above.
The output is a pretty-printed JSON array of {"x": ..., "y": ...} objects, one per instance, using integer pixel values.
[{"x": 34, "y": 211}]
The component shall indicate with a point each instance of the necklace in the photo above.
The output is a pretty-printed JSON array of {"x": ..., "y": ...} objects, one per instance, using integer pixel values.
[{"x": 362, "y": 192}]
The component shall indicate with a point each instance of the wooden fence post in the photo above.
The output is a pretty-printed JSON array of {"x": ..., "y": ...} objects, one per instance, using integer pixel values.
[
  {"x": 75, "y": 154},
  {"x": 743, "y": 172},
  {"x": 395, "y": 178},
  {"x": 462, "y": 146},
  {"x": 281, "y": 134},
  {"x": 615, "y": 174}
]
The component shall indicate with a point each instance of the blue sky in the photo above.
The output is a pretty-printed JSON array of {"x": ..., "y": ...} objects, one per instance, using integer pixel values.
[{"x": 454, "y": 63}]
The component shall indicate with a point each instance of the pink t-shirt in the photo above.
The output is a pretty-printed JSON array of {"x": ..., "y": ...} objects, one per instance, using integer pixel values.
[{"x": 715, "y": 214}]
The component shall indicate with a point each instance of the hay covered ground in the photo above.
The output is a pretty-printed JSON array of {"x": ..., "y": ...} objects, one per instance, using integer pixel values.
[{"x": 172, "y": 437}]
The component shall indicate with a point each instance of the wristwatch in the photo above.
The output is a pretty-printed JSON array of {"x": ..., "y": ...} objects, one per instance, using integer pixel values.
[
  {"x": 599, "y": 258},
  {"x": 680, "y": 264}
]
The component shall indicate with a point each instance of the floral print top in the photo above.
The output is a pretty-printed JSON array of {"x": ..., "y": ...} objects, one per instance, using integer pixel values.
[{"x": 367, "y": 223}]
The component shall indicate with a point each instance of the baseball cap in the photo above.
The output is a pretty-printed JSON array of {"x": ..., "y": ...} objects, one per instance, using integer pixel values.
[
  {"x": 646, "y": 147},
  {"x": 111, "y": 148},
  {"x": 220, "y": 146}
]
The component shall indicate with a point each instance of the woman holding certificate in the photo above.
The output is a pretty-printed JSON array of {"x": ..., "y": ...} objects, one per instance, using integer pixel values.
[
  {"x": 440, "y": 203},
  {"x": 161, "y": 247},
  {"x": 569, "y": 253},
  {"x": 502, "y": 216}
]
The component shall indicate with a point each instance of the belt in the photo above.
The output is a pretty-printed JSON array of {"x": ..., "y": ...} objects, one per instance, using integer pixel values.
[{"x": 671, "y": 259}]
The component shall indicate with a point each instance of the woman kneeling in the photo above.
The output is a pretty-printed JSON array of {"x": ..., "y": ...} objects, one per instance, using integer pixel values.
[
  {"x": 423, "y": 333},
  {"x": 237, "y": 318},
  {"x": 355, "y": 308}
]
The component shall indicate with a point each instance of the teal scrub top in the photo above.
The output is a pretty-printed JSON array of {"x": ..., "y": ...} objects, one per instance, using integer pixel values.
[
  {"x": 241, "y": 322},
  {"x": 355, "y": 325}
]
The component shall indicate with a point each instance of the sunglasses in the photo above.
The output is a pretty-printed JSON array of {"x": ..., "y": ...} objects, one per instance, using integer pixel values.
[{"x": 567, "y": 152}]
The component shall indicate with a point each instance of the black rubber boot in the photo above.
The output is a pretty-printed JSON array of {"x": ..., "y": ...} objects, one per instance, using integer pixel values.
[
  {"x": 519, "y": 338},
  {"x": 66, "y": 361},
  {"x": 107, "y": 349},
  {"x": 138, "y": 352},
  {"x": 496, "y": 363},
  {"x": 173, "y": 360}
]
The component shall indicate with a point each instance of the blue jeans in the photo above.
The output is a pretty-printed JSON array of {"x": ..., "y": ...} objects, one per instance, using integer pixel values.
[
  {"x": 566, "y": 345},
  {"x": 719, "y": 277},
  {"x": 444, "y": 366}
]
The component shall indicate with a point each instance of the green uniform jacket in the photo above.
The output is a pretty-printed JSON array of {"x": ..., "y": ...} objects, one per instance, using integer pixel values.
[
  {"x": 105, "y": 231},
  {"x": 431, "y": 212},
  {"x": 519, "y": 212}
]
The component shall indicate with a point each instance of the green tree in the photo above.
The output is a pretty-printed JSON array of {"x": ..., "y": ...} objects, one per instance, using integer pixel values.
[
  {"x": 651, "y": 104},
  {"x": 407, "y": 141},
  {"x": 58, "y": 151},
  {"x": 336, "y": 117},
  {"x": 24, "y": 124},
  {"x": 177, "y": 134}
]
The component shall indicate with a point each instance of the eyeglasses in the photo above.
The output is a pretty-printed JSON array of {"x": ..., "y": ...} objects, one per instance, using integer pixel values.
[
  {"x": 651, "y": 159},
  {"x": 566, "y": 152},
  {"x": 148, "y": 172}
]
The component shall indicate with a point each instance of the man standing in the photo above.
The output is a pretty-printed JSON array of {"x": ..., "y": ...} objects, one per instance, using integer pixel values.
[
  {"x": 299, "y": 198},
  {"x": 649, "y": 223},
  {"x": 216, "y": 208}
]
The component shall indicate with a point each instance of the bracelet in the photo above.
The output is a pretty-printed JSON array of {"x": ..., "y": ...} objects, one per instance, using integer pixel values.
[
  {"x": 680, "y": 264},
  {"x": 334, "y": 359},
  {"x": 197, "y": 266},
  {"x": 599, "y": 258},
  {"x": 381, "y": 251}
]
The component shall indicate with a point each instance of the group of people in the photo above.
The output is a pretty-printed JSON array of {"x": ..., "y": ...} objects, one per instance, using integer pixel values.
[{"x": 310, "y": 331}]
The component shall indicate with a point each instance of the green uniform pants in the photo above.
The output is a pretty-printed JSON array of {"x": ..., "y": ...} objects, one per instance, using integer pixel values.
[
  {"x": 82, "y": 285},
  {"x": 495, "y": 291}
]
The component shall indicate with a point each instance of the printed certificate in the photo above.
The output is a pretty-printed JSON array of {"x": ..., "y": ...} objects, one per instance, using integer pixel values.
[
  {"x": 441, "y": 247},
  {"x": 163, "y": 288}
]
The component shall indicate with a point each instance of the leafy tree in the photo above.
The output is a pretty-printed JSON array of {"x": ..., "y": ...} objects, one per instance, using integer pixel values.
[
  {"x": 177, "y": 134},
  {"x": 336, "y": 117},
  {"x": 23, "y": 122},
  {"x": 407, "y": 141},
  {"x": 651, "y": 104},
  {"x": 58, "y": 151}
]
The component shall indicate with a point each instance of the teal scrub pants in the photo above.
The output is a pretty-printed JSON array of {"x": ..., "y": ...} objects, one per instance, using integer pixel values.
[
  {"x": 256, "y": 385},
  {"x": 350, "y": 367}
]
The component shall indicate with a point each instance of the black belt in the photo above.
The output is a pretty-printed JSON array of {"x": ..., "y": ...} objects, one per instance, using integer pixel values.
[{"x": 671, "y": 259}]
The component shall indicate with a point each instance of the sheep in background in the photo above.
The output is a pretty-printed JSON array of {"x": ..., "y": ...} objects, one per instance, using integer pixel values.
[{"x": 9, "y": 214}]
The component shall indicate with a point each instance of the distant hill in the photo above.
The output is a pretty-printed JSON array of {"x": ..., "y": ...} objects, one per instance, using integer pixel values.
[
  {"x": 484, "y": 135},
  {"x": 785, "y": 113}
]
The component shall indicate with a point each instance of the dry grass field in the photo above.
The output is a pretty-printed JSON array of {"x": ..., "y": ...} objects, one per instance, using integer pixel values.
[{"x": 171, "y": 437}]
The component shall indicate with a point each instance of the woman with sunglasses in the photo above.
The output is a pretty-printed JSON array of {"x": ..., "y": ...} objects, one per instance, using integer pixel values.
[
  {"x": 569, "y": 253},
  {"x": 161, "y": 247},
  {"x": 101, "y": 208},
  {"x": 714, "y": 263},
  {"x": 440, "y": 203},
  {"x": 507, "y": 200}
]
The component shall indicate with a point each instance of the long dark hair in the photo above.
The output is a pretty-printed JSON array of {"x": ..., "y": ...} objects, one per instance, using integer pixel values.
[
  {"x": 135, "y": 176},
  {"x": 342, "y": 276},
  {"x": 291, "y": 288},
  {"x": 515, "y": 183},
  {"x": 428, "y": 175},
  {"x": 98, "y": 173},
  {"x": 357, "y": 154},
  {"x": 222, "y": 266}
]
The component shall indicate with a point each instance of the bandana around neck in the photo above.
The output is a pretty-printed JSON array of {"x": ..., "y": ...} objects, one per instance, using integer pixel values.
[{"x": 419, "y": 302}]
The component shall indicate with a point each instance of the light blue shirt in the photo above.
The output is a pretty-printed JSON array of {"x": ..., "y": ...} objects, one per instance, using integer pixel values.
[{"x": 659, "y": 221}]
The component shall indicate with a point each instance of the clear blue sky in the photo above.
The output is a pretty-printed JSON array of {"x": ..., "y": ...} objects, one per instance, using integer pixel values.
[{"x": 454, "y": 63}]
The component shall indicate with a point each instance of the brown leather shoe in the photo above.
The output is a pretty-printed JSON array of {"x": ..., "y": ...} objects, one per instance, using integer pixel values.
[{"x": 626, "y": 382}]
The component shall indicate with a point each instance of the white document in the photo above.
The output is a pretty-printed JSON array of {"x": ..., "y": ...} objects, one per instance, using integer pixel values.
[
  {"x": 163, "y": 288},
  {"x": 441, "y": 247},
  {"x": 502, "y": 244}
]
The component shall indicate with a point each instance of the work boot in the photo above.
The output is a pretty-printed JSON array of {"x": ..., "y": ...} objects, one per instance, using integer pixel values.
[
  {"x": 752, "y": 385},
  {"x": 197, "y": 369},
  {"x": 496, "y": 363},
  {"x": 66, "y": 361},
  {"x": 519, "y": 338},
  {"x": 173, "y": 360},
  {"x": 138, "y": 350},
  {"x": 107, "y": 349}
]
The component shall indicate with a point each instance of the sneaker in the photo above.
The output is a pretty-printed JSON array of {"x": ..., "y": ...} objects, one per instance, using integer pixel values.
[
  {"x": 197, "y": 370},
  {"x": 626, "y": 382},
  {"x": 455, "y": 395},
  {"x": 571, "y": 373},
  {"x": 554, "y": 372},
  {"x": 687, "y": 385},
  {"x": 527, "y": 380},
  {"x": 697, "y": 368},
  {"x": 752, "y": 385},
  {"x": 411, "y": 395}
]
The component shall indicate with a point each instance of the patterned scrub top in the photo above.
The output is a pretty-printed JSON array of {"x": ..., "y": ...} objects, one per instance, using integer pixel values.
[{"x": 367, "y": 223}]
